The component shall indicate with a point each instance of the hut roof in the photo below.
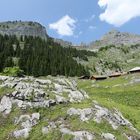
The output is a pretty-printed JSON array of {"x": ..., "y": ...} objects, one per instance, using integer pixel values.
[
  {"x": 84, "y": 77},
  {"x": 115, "y": 74},
  {"x": 99, "y": 76},
  {"x": 135, "y": 69}
]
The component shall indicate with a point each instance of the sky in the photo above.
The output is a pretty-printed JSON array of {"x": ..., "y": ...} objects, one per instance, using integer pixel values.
[{"x": 75, "y": 20}]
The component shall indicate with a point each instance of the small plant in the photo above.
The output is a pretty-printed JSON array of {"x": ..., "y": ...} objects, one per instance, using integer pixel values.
[{"x": 13, "y": 71}]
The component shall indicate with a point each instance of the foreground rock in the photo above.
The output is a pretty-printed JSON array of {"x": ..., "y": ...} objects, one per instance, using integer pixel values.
[
  {"x": 78, "y": 135},
  {"x": 31, "y": 92},
  {"x": 99, "y": 114},
  {"x": 5, "y": 105},
  {"x": 108, "y": 136},
  {"x": 26, "y": 122},
  {"x": 44, "y": 96}
]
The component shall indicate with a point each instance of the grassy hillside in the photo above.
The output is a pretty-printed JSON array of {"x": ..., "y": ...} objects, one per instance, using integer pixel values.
[
  {"x": 122, "y": 93},
  {"x": 112, "y": 58}
]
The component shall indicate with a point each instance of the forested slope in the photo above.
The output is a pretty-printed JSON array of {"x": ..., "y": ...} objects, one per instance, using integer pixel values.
[{"x": 39, "y": 57}]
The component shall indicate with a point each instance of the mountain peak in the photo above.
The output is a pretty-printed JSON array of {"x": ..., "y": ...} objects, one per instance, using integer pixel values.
[
  {"x": 113, "y": 31},
  {"x": 18, "y": 28},
  {"x": 116, "y": 38}
]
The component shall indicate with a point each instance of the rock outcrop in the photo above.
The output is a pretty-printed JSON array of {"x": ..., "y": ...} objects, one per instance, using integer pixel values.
[
  {"x": 20, "y": 28},
  {"x": 32, "y": 103},
  {"x": 108, "y": 136},
  {"x": 36, "y": 93},
  {"x": 99, "y": 114},
  {"x": 62, "y": 42},
  {"x": 116, "y": 38},
  {"x": 5, "y": 105},
  {"x": 27, "y": 122}
]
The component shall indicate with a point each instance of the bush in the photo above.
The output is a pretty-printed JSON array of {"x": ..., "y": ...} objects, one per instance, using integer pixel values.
[{"x": 13, "y": 71}]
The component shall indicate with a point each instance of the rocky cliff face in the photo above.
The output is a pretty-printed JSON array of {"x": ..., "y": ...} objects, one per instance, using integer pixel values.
[
  {"x": 19, "y": 28},
  {"x": 116, "y": 38}
]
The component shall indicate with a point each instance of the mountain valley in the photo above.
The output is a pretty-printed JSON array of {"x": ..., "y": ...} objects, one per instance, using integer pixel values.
[{"x": 44, "y": 95}]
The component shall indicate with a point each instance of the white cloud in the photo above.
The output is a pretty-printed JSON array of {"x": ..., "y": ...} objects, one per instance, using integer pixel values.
[
  {"x": 64, "y": 26},
  {"x": 118, "y": 12}
]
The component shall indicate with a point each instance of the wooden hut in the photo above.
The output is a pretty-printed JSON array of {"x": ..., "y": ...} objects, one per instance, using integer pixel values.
[
  {"x": 135, "y": 70},
  {"x": 116, "y": 74},
  {"x": 86, "y": 77},
  {"x": 97, "y": 78}
]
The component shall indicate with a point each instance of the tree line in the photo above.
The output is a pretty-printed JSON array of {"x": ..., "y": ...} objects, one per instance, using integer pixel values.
[{"x": 39, "y": 57}]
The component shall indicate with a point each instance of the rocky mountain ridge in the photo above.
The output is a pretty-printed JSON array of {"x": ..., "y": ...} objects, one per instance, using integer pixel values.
[
  {"x": 113, "y": 37},
  {"x": 116, "y": 38},
  {"x": 30, "y": 28},
  {"x": 22, "y": 28},
  {"x": 62, "y": 42}
]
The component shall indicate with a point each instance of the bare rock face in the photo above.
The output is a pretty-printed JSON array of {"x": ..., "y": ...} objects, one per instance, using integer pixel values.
[
  {"x": 27, "y": 122},
  {"x": 78, "y": 135},
  {"x": 85, "y": 114},
  {"x": 24, "y": 133},
  {"x": 20, "y": 28},
  {"x": 39, "y": 93},
  {"x": 99, "y": 113},
  {"x": 62, "y": 42},
  {"x": 116, "y": 38},
  {"x": 5, "y": 105},
  {"x": 30, "y": 95}
]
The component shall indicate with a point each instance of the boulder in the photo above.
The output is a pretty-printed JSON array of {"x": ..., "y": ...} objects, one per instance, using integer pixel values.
[
  {"x": 60, "y": 99},
  {"x": 22, "y": 118},
  {"x": 58, "y": 88},
  {"x": 35, "y": 116},
  {"x": 108, "y": 136},
  {"x": 5, "y": 105},
  {"x": 73, "y": 111},
  {"x": 43, "y": 82},
  {"x": 27, "y": 122},
  {"x": 98, "y": 113},
  {"x": 3, "y": 78},
  {"x": 78, "y": 135},
  {"x": 19, "y": 103},
  {"x": 76, "y": 96},
  {"x": 84, "y": 114},
  {"x": 81, "y": 135},
  {"x": 24, "y": 133}
]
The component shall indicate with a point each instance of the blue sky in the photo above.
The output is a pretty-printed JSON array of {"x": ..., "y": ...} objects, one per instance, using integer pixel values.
[{"x": 75, "y": 20}]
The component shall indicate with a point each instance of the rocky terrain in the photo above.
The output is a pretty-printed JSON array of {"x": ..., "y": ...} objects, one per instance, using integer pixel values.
[
  {"x": 116, "y": 38},
  {"x": 113, "y": 59},
  {"x": 45, "y": 108},
  {"x": 62, "y": 42},
  {"x": 20, "y": 28}
]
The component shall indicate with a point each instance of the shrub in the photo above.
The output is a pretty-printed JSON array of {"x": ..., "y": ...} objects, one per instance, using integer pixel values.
[{"x": 13, "y": 71}]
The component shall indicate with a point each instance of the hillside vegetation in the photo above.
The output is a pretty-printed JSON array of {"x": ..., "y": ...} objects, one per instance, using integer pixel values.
[
  {"x": 113, "y": 58},
  {"x": 57, "y": 108},
  {"x": 39, "y": 57}
]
